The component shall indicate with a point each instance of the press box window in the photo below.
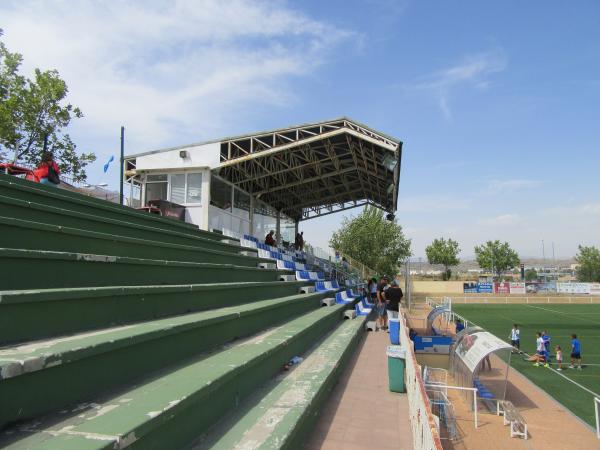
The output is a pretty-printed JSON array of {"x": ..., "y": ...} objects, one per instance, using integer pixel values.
[{"x": 156, "y": 187}]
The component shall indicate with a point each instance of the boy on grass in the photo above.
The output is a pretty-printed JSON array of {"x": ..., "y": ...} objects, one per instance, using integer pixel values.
[
  {"x": 540, "y": 351},
  {"x": 515, "y": 338},
  {"x": 575, "y": 352},
  {"x": 546, "y": 339}
]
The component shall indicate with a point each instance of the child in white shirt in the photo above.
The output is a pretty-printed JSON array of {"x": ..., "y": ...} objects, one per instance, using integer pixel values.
[{"x": 558, "y": 357}]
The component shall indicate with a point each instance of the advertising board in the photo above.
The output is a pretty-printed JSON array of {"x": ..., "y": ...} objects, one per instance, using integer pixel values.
[
  {"x": 502, "y": 287},
  {"x": 485, "y": 288},
  {"x": 517, "y": 288},
  {"x": 573, "y": 288}
]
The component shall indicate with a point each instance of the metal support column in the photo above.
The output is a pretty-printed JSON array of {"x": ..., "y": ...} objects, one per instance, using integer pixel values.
[
  {"x": 278, "y": 229},
  {"x": 251, "y": 230}
]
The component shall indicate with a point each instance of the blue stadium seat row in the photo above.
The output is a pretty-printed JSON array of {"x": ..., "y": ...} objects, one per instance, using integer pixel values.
[
  {"x": 305, "y": 275},
  {"x": 290, "y": 265}
]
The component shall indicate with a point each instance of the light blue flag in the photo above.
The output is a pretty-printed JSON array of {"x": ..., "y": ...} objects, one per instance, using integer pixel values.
[{"x": 112, "y": 158}]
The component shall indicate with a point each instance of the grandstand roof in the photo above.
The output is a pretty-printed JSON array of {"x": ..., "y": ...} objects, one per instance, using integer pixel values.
[
  {"x": 316, "y": 169},
  {"x": 313, "y": 169}
]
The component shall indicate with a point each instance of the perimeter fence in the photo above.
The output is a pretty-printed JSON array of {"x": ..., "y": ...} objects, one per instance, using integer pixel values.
[
  {"x": 516, "y": 300},
  {"x": 424, "y": 427}
]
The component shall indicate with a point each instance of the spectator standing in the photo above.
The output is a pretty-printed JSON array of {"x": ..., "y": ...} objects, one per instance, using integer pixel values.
[
  {"x": 47, "y": 172},
  {"x": 299, "y": 241},
  {"x": 372, "y": 286},
  {"x": 270, "y": 240},
  {"x": 393, "y": 296},
  {"x": 381, "y": 314}
]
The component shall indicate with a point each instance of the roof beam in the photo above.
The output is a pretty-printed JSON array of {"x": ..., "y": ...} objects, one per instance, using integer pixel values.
[{"x": 287, "y": 186}]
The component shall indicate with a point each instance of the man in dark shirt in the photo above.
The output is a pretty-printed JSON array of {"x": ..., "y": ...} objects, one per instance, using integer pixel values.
[{"x": 393, "y": 295}]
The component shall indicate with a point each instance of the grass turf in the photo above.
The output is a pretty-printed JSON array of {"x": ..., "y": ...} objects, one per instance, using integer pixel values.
[{"x": 560, "y": 321}]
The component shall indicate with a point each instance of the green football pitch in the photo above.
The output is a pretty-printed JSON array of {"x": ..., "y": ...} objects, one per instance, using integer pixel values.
[{"x": 560, "y": 321}]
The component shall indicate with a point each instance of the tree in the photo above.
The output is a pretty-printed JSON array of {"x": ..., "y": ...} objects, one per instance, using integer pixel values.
[
  {"x": 33, "y": 114},
  {"x": 588, "y": 259},
  {"x": 531, "y": 275},
  {"x": 442, "y": 251},
  {"x": 496, "y": 256},
  {"x": 372, "y": 240}
]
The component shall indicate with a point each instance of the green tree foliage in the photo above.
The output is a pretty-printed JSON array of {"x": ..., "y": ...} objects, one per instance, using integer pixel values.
[
  {"x": 33, "y": 110},
  {"x": 373, "y": 240},
  {"x": 531, "y": 275},
  {"x": 589, "y": 264},
  {"x": 496, "y": 256},
  {"x": 445, "y": 252}
]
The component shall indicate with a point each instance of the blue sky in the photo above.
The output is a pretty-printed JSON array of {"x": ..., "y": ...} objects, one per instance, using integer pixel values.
[{"x": 497, "y": 103}]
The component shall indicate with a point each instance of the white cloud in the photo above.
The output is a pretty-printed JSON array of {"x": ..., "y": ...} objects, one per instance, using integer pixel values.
[
  {"x": 170, "y": 71},
  {"x": 473, "y": 71},
  {"x": 592, "y": 209},
  {"x": 501, "y": 220},
  {"x": 512, "y": 185}
]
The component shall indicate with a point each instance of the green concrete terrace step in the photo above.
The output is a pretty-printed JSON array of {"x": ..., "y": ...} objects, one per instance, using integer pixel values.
[
  {"x": 37, "y": 314},
  {"x": 41, "y": 213},
  {"x": 40, "y": 236},
  {"x": 169, "y": 411},
  {"x": 31, "y": 269},
  {"x": 282, "y": 414},
  {"x": 85, "y": 365},
  {"x": 27, "y": 190}
]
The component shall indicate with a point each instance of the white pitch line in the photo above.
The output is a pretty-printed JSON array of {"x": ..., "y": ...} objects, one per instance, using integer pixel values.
[
  {"x": 560, "y": 313},
  {"x": 568, "y": 379}
]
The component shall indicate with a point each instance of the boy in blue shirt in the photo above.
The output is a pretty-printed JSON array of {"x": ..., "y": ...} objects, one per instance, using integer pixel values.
[
  {"x": 575, "y": 352},
  {"x": 546, "y": 338}
]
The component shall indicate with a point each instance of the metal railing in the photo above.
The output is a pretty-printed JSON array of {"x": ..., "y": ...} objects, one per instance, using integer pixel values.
[{"x": 424, "y": 428}]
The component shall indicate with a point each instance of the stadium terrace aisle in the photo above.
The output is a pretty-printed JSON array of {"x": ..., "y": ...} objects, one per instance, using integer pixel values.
[{"x": 361, "y": 412}]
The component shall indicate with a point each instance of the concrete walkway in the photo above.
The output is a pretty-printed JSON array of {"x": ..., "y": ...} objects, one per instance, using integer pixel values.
[{"x": 361, "y": 412}]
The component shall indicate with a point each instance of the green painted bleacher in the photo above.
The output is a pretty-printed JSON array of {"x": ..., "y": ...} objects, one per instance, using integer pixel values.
[
  {"x": 25, "y": 314},
  {"x": 282, "y": 413},
  {"x": 41, "y": 213},
  {"x": 119, "y": 329},
  {"x": 170, "y": 410},
  {"x": 49, "y": 269},
  {"x": 40, "y": 236},
  {"x": 62, "y": 198},
  {"x": 109, "y": 358}
]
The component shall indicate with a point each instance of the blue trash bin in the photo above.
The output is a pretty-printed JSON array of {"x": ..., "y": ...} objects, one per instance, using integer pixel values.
[{"x": 394, "y": 327}]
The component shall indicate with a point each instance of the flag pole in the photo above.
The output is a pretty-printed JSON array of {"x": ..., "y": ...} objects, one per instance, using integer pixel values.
[{"x": 122, "y": 162}]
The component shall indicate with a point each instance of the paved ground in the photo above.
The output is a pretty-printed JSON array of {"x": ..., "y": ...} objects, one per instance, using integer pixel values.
[{"x": 361, "y": 412}]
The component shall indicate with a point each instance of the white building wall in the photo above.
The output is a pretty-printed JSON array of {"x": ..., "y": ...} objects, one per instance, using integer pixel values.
[{"x": 206, "y": 155}]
